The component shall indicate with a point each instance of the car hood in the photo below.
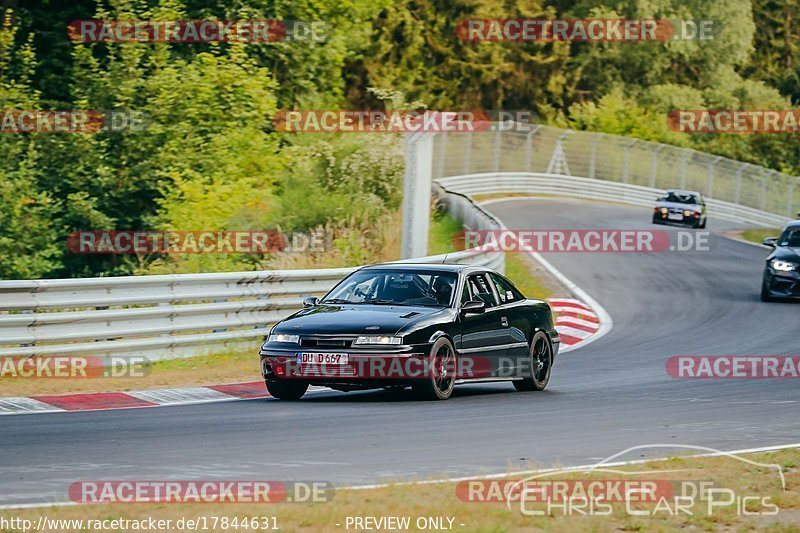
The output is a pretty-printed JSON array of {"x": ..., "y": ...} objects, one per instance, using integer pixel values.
[
  {"x": 786, "y": 253},
  {"x": 676, "y": 205},
  {"x": 355, "y": 319}
]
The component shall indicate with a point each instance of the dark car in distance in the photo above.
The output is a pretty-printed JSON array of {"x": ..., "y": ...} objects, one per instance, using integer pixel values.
[
  {"x": 424, "y": 326},
  {"x": 685, "y": 208},
  {"x": 782, "y": 270}
]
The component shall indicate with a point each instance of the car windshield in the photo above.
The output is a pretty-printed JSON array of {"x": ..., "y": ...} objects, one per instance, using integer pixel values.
[
  {"x": 395, "y": 287},
  {"x": 790, "y": 237},
  {"x": 679, "y": 198}
]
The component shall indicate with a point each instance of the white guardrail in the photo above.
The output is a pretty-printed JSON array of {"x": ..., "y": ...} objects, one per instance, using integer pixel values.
[
  {"x": 560, "y": 185},
  {"x": 169, "y": 316}
]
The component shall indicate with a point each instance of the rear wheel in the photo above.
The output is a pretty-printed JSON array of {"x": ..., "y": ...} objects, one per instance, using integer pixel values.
[
  {"x": 441, "y": 372},
  {"x": 283, "y": 389},
  {"x": 541, "y": 360}
]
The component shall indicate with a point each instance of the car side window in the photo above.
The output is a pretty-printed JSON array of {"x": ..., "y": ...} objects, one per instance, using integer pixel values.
[
  {"x": 505, "y": 290},
  {"x": 465, "y": 297},
  {"x": 481, "y": 289}
]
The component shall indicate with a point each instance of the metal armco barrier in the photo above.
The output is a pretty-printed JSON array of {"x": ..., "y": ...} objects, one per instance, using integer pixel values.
[{"x": 607, "y": 191}]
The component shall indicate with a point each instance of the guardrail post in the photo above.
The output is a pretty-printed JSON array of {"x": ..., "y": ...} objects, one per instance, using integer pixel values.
[
  {"x": 625, "y": 160},
  {"x": 764, "y": 189},
  {"x": 593, "y": 155},
  {"x": 738, "y": 193},
  {"x": 497, "y": 141},
  {"x": 468, "y": 153},
  {"x": 558, "y": 161},
  {"x": 710, "y": 177},
  {"x": 684, "y": 162},
  {"x": 790, "y": 196},
  {"x": 529, "y": 148},
  {"x": 442, "y": 155},
  {"x": 218, "y": 330},
  {"x": 417, "y": 194},
  {"x": 654, "y": 163}
]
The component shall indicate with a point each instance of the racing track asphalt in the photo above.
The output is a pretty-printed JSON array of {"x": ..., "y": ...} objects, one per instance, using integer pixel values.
[{"x": 602, "y": 399}]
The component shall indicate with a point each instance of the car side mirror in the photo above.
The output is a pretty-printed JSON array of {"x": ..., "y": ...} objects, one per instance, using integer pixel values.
[
  {"x": 770, "y": 241},
  {"x": 311, "y": 301},
  {"x": 475, "y": 307}
]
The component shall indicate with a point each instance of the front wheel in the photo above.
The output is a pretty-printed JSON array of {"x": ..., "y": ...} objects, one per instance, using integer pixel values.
[
  {"x": 441, "y": 372},
  {"x": 765, "y": 293},
  {"x": 284, "y": 389},
  {"x": 541, "y": 360}
]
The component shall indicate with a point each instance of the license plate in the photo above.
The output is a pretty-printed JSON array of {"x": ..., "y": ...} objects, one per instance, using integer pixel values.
[
  {"x": 322, "y": 358},
  {"x": 676, "y": 216}
]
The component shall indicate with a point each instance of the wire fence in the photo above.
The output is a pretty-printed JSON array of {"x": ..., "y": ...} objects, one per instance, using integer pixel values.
[{"x": 546, "y": 149}]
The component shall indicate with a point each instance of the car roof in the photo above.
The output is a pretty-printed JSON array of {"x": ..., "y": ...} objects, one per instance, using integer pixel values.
[
  {"x": 444, "y": 267},
  {"x": 684, "y": 191},
  {"x": 792, "y": 224}
]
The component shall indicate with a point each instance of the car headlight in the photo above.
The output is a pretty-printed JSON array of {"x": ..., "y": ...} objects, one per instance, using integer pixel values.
[
  {"x": 282, "y": 337},
  {"x": 378, "y": 339},
  {"x": 783, "y": 266}
]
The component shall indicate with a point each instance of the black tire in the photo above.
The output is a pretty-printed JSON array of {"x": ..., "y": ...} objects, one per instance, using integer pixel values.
[
  {"x": 284, "y": 389},
  {"x": 541, "y": 362},
  {"x": 441, "y": 369},
  {"x": 703, "y": 225},
  {"x": 765, "y": 295}
]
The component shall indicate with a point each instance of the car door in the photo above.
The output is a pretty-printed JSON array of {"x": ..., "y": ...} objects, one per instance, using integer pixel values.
[
  {"x": 483, "y": 336},
  {"x": 513, "y": 308}
]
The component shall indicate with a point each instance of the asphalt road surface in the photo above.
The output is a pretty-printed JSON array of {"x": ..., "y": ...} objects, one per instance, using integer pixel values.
[{"x": 602, "y": 399}]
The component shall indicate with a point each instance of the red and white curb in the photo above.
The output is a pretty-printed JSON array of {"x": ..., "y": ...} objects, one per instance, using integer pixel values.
[
  {"x": 575, "y": 321},
  {"x": 579, "y": 321},
  {"x": 95, "y": 401}
]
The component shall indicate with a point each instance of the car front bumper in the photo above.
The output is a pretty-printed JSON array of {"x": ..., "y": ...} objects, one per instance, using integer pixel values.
[
  {"x": 782, "y": 284},
  {"x": 369, "y": 368}
]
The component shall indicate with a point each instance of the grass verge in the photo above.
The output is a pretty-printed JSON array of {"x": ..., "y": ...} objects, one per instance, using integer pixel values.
[
  {"x": 757, "y": 235},
  {"x": 520, "y": 268},
  {"x": 755, "y": 489}
]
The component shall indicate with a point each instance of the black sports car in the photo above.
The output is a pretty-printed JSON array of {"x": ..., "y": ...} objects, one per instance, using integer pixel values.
[
  {"x": 686, "y": 208},
  {"x": 426, "y": 326},
  {"x": 782, "y": 271}
]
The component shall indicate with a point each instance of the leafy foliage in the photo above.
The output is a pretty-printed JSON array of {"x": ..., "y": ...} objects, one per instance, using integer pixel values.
[{"x": 209, "y": 158}]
